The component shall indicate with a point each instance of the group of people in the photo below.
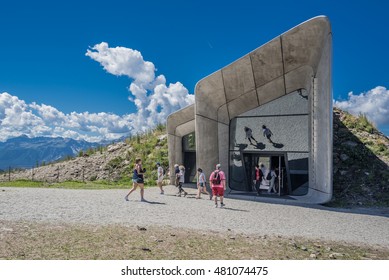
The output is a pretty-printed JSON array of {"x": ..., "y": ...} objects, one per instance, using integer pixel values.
[
  {"x": 217, "y": 182},
  {"x": 261, "y": 174}
]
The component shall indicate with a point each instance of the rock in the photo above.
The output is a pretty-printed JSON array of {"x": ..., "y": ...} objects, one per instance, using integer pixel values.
[
  {"x": 335, "y": 255},
  {"x": 312, "y": 256},
  {"x": 146, "y": 249},
  {"x": 141, "y": 228},
  {"x": 232, "y": 238},
  {"x": 350, "y": 143},
  {"x": 344, "y": 157},
  {"x": 303, "y": 248}
]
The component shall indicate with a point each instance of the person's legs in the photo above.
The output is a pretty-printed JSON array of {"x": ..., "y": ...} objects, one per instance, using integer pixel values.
[
  {"x": 142, "y": 191},
  {"x": 198, "y": 191},
  {"x": 134, "y": 186},
  {"x": 160, "y": 186}
]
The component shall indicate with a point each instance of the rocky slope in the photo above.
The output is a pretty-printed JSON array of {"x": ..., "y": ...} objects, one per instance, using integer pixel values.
[
  {"x": 111, "y": 163},
  {"x": 361, "y": 162}
]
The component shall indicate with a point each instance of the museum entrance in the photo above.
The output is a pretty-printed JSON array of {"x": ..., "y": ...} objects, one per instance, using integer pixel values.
[
  {"x": 275, "y": 162},
  {"x": 189, "y": 157}
]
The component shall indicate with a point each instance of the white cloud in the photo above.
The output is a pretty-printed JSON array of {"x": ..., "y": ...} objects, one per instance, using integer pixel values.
[
  {"x": 374, "y": 103},
  {"x": 17, "y": 117},
  {"x": 153, "y": 98}
]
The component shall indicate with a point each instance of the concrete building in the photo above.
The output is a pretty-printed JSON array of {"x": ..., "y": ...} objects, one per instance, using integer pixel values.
[{"x": 284, "y": 85}]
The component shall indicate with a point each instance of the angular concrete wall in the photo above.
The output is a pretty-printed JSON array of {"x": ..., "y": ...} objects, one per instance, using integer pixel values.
[
  {"x": 179, "y": 124},
  {"x": 299, "y": 58}
]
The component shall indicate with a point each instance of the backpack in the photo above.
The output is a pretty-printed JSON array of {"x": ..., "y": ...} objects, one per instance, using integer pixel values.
[
  {"x": 268, "y": 176},
  {"x": 216, "y": 178}
]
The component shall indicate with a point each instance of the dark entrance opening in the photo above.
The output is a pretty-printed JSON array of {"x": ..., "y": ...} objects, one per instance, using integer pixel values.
[
  {"x": 190, "y": 167},
  {"x": 189, "y": 157},
  {"x": 274, "y": 162}
]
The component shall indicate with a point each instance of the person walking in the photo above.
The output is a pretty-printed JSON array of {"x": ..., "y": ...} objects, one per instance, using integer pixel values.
[
  {"x": 249, "y": 134},
  {"x": 176, "y": 174},
  {"x": 137, "y": 179},
  {"x": 218, "y": 185},
  {"x": 258, "y": 178},
  {"x": 181, "y": 181},
  {"x": 267, "y": 133},
  {"x": 160, "y": 177},
  {"x": 271, "y": 177},
  {"x": 202, "y": 184}
]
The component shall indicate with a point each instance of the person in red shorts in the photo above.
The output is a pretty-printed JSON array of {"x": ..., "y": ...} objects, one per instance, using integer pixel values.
[{"x": 218, "y": 185}]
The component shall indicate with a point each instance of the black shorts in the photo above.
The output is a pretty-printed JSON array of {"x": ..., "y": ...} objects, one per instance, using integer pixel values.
[{"x": 138, "y": 180}]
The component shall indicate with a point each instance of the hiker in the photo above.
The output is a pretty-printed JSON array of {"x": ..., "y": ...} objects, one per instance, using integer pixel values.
[
  {"x": 267, "y": 133},
  {"x": 160, "y": 177},
  {"x": 137, "y": 179},
  {"x": 218, "y": 184},
  {"x": 258, "y": 178},
  {"x": 202, "y": 184},
  {"x": 181, "y": 181},
  {"x": 176, "y": 174},
  {"x": 271, "y": 177},
  {"x": 249, "y": 134}
]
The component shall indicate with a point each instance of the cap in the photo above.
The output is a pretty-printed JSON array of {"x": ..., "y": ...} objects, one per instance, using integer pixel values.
[{"x": 218, "y": 166}]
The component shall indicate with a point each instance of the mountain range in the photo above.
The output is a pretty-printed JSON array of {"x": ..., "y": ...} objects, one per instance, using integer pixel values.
[{"x": 25, "y": 152}]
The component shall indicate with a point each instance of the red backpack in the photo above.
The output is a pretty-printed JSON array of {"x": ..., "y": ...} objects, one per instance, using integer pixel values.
[{"x": 216, "y": 178}]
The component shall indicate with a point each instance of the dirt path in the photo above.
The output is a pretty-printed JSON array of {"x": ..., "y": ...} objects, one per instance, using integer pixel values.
[{"x": 109, "y": 207}]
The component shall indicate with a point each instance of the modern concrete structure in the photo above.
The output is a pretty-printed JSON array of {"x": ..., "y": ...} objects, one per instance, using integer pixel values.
[{"x": 285, "y": 85}]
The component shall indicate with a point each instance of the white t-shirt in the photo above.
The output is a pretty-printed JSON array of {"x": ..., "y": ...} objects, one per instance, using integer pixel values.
[
  {"x": 202, "y": 178},
  {"x": 182, "y": 176},
  {"x": 160, "y": 173}
]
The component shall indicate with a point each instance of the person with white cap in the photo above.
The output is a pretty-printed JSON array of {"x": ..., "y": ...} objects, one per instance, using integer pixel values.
[{"x": 218, "y": 185}]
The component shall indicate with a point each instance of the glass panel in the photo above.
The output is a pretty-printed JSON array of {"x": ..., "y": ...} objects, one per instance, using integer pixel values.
[
  {"x": 189, "y": 142},
  {"x": 237, "y": 172},
  {"x": 298, "y": 170}
]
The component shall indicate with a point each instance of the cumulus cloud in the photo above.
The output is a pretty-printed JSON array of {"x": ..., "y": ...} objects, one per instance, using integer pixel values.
[
  {"x": 153, "y": 98},
  {"x": 18, "y": 117},
  {"x": 373, "y": 103}
]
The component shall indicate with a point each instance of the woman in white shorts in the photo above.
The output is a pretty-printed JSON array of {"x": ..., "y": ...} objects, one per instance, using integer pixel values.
[{"x": 202, "y": 184}]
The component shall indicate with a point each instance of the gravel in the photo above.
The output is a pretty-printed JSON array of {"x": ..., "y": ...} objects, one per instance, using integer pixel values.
[{"x": 105, "y": 207}]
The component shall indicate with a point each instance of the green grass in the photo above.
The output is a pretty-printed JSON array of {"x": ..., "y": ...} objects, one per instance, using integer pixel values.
[{"x": 96, "y": 185}]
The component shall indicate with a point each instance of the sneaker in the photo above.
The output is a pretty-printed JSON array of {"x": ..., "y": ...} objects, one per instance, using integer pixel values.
[
  {"x": 162, "y": 192},
  {"x": 143, "y": 200},
  {"x": 210, "y": 197},
  {"x": 216, "y": 206},
  {"x": 222, "y": 205},
  {"x": 126, "y": 198}
]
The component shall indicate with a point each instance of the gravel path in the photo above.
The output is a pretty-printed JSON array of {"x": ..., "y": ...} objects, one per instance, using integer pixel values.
[{"x": 241, "y": 216}]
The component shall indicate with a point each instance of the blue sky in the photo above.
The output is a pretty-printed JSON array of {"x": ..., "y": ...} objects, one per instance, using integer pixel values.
[{"x": 43, "y": 46}]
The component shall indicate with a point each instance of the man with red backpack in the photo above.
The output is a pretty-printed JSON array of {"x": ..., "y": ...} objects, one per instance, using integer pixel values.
[{"x": 218, "y": 185}]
